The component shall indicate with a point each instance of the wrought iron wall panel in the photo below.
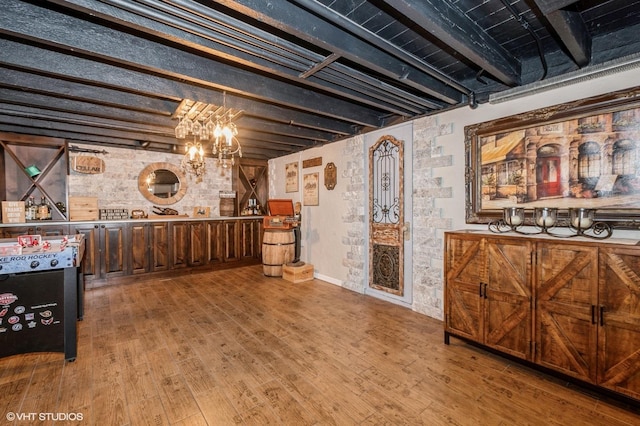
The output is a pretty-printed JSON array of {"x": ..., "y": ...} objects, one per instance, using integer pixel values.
[{"x": 386, "y": 171}]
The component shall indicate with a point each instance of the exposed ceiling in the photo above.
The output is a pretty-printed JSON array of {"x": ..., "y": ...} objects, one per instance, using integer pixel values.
[{"x": 305, "y": 72}]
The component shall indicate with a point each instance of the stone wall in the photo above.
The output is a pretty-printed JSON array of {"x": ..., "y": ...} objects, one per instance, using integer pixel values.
[
  {"x": 354, "y": 220},
  {"x": 117, "y": 187},
  {"x": 428, "y": 221}
]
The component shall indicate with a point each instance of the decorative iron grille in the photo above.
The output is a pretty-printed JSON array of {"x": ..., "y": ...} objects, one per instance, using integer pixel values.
[{"x": 386, "y": 200}]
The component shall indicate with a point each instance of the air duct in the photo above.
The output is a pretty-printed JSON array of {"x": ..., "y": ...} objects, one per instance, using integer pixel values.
[{"x": 625, "y": 63}]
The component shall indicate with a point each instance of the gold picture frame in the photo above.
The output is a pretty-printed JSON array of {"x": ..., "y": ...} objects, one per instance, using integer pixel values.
[{"x": 583, "y": 154}]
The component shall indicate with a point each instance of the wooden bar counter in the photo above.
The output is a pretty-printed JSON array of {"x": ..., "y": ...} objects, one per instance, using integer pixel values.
[{"x": 122, "y": 250}]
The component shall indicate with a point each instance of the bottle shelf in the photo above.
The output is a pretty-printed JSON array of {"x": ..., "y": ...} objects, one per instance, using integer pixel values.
[
  {"x": 34, "y": 166},
  {"x": 251, "y": 182}
]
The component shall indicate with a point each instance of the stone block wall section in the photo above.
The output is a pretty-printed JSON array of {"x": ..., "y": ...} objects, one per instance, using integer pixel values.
[
  {"x": 354, "y": 220},
  {"x": 428, "y": 221},
  {"x": 117, "y": 187}
]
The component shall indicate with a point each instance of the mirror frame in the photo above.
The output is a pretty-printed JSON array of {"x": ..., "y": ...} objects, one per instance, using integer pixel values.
[{"x": 153, "y": 167}]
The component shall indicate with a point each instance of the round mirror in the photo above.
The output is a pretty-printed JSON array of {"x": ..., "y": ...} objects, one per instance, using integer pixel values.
[{"x": 162, "y": 183}]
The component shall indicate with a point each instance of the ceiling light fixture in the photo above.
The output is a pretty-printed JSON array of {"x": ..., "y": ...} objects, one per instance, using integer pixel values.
[
  {"x": 224, "y": 133},
  {"x": 207, "y": 122},
  {"x": 193, "y": 161}
]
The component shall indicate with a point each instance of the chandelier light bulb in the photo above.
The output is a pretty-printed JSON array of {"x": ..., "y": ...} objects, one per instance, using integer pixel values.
[{"x": 217, "y": 132}]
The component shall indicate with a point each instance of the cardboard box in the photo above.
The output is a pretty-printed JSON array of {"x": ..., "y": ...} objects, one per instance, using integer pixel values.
[
  {"x": 13, "y": 212},
  {"x": 298, "y": 274}
]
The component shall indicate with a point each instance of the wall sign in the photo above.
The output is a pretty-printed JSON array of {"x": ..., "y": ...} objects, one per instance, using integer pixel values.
[
  {"x": 13, "y": 212},
  {"x": 330, "y": 176},
  {"x": 312, "y": 162},
  {"x": 87, "y": 164}
]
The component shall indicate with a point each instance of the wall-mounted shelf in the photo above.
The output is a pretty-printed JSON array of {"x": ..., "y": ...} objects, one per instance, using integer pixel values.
[
  {"x": 251, "y": 181},
  {"x": 50, "y": 156}
]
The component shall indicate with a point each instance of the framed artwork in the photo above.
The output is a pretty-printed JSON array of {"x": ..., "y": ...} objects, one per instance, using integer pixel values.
[
  {"x": 584, "y": 154},
  {"x": 201, "y": 211},
  {"x": 310, "y": 189},
  {"x": 291, "y": 178}
]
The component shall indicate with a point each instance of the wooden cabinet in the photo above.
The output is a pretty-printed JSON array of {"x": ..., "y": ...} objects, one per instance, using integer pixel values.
[
  {"x": 128, "y": 248},
  {"x": 489, "y": 292},
  {"x": 231, "y": 229},
  {"x": 585, "y": 314},
  {"x": 566, "y": 294},
  {"x": 139, "y": 254},
  {"x": 179, "y": 238},
  {"x": 197, "y": 243},
  {"x": 617, "y": 319},
  {"x": 242, "y": 239},
  {"x": 251, "y": 238},
  {"x": 159, "y": 249},
  {"x": 188, "y": 241},
  {"x": 215, "y": 241},
  {"x": 104, "y": 249}
]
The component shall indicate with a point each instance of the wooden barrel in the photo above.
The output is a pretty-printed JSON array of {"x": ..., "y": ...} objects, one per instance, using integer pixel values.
[
  {"x": 278, "y": 248},
  {"x": 227, "y": 206}
]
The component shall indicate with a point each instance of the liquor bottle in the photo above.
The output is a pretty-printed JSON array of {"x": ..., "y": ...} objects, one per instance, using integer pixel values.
[
  {"x": 33, "y": 208},
  {"x": 28, "y": 210},
  {"x": 49, "y": 212},
  {"x": 42, "y": 210}
]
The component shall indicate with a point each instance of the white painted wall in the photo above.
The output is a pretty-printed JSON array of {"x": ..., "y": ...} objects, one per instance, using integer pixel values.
[
  {"x": 328, "y": 229},
  {"x": 321, "y": 225}
]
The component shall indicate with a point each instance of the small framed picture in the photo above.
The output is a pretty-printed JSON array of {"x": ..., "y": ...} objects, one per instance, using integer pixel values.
[
  {"x": 310, "y": 191},
  {"x": 201, "y": 211},
  {"x": 291, "y": 171}
]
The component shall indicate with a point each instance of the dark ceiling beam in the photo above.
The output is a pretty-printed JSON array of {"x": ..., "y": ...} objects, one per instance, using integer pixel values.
[
  {"x": 72, "y": 34},
  {"x": 448, "y": 24},
  {"x": 56, "y": 122},
  {"x": 155, "y": 132},
  {"x": 277, "y": 139},
  {"x": 79, "y": 134},
  {"x": 230, "y": 39},
  {"x": 72, "y": 137},
  {"x": 87, "y": 109},
  {"x": 570, "y": 28},
  {"x": 384, "y": 45},
  {"x": 55, "y": 65},
  {"x": 285, "y": 16},
  {"x": 263, "y": 126},
  {"x": 267, "y": 146},
  {"x": 252, "y": 152},
  {"x": 59, "y": 87},
  {"x": 549, "y": 6}
]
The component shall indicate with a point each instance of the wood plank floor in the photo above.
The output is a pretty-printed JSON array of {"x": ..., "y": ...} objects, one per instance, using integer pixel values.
[{"x": 236, "y": 347}]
